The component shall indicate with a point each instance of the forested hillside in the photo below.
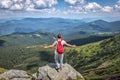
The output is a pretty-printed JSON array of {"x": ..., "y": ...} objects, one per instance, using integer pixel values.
[
  {"x": 98, "y": 60},
  {"x": 27, "y": 58},
  {"x": 25, "y": 39}
]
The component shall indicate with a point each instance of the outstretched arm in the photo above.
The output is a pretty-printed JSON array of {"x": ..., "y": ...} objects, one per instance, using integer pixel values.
[
  {"x": 69, "y": 45},
  {"x": 50, "y": 46}
]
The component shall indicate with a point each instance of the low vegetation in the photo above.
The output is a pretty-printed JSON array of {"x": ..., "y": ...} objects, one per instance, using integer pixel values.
[
  {"x": 98, "y": 60},
  {"x": 2, "y": 70}
]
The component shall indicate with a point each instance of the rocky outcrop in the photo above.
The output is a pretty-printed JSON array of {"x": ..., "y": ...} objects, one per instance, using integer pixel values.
[
  {"x": 14, "y": 75},
  {"x": 49, "y": 72}
]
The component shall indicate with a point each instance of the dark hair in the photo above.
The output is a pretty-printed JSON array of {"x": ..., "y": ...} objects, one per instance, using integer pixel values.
[{"x": 59, "y": 36}]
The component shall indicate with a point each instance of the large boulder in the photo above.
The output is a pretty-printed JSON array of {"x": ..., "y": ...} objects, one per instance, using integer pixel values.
[
  {"x": 49, "y": 72},
  {"x": 14, "y": 75}
]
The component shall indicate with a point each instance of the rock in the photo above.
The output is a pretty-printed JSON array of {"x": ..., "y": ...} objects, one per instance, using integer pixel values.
[
  {"x": 15, "y": 75},
  {"x": 49, "y": 72}
]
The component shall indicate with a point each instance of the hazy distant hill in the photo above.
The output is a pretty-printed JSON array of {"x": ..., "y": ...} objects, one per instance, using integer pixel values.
[
  {"x": 22, "y": 39},
  {"x": 115, "y": 26},
  {"x": 56, "y": 25},
  {"x": 99, "y": 26}
]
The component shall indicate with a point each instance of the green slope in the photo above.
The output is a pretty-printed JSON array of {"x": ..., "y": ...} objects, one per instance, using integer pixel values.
[
  {"x": 25, "y": 39},
  {"x": 95, "y": 61},
  {"x": 100, "y": 60},
  {"x": 25, "y": 50},
  {"x": 27, "y": 58}
]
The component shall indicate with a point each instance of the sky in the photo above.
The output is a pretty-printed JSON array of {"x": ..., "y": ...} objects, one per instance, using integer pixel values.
[{"x": 73, "y": 9}]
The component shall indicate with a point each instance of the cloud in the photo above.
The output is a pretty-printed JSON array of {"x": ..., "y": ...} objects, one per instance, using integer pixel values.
[
  {"x": 6, "y": 4},
  {"x": 16, "y": 7},
  {"x": 27, "y": 4},
  {"x": 93, "y": 7},
  {"x": 44, "y": 3},
  {"x": 46, "y": 8},
  {"x": 117, "y": 6},
  {"x": 75, "y": 2},
  {"x": 82, "y": 6},
  {"x": 107, "y": 9}
]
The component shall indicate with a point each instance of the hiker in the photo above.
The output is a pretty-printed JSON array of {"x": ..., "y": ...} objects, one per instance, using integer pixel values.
[{"x": 59, "y": 43}]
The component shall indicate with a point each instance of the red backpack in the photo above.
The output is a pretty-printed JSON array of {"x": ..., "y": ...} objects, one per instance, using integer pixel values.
[{"x": 60, "y": 48}]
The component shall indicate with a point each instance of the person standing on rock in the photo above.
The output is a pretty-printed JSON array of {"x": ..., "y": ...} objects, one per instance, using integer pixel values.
[{"x": 59, "y": 50}]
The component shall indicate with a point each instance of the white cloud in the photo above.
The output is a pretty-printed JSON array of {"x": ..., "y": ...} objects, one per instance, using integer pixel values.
[
  {"x": 75, "y": 2},
  {"x": 27, "y": 4},
  {"x": 117, "y": 6},
  {"x": 94, "y": 7},
  {"x": 72, "y": 2},
  {"x": 44, "y": 3},
  {"x": 40, "y": 4},
  {"x": 107, "y": 9},
  {"x": 17, "y": 1},
  {"x": 45, "y": 8},
  {"x": 16, "y": 7},
  {"x": 6, "y": 4},
  {"x": 84, "y": 8}
]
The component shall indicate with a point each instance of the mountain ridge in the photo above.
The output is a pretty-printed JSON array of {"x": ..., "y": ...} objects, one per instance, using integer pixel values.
[
  {"x": 46, "y": 24},
  {"x": 57, "y": 25}
]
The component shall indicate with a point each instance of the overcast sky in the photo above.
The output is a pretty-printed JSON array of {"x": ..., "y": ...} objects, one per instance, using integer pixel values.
[{"x": 77, "y": 9}]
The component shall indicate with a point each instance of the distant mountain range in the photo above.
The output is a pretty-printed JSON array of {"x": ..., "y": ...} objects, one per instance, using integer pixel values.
[
  {"x": 99, "y": 26},
  {"x": 57, "y": 25},
  {"x": 26, "y": 25}
]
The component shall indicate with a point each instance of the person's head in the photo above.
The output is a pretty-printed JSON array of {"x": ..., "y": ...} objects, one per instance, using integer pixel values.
[{"x": 59, "y": 36}]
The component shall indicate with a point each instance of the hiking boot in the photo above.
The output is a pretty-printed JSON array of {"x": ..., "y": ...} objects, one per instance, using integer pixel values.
[{"x": 57, "y": 69}]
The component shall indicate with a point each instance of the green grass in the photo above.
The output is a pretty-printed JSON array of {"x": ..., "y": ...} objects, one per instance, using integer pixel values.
[
  {"x": 96, "y": 60},
  {"x": 27, "y": 58},
  {"x": 2, "y": 70}
]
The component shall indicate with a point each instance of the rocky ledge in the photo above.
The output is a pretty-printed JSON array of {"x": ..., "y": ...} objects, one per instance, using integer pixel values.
[{"x": 47, "y": 72}]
